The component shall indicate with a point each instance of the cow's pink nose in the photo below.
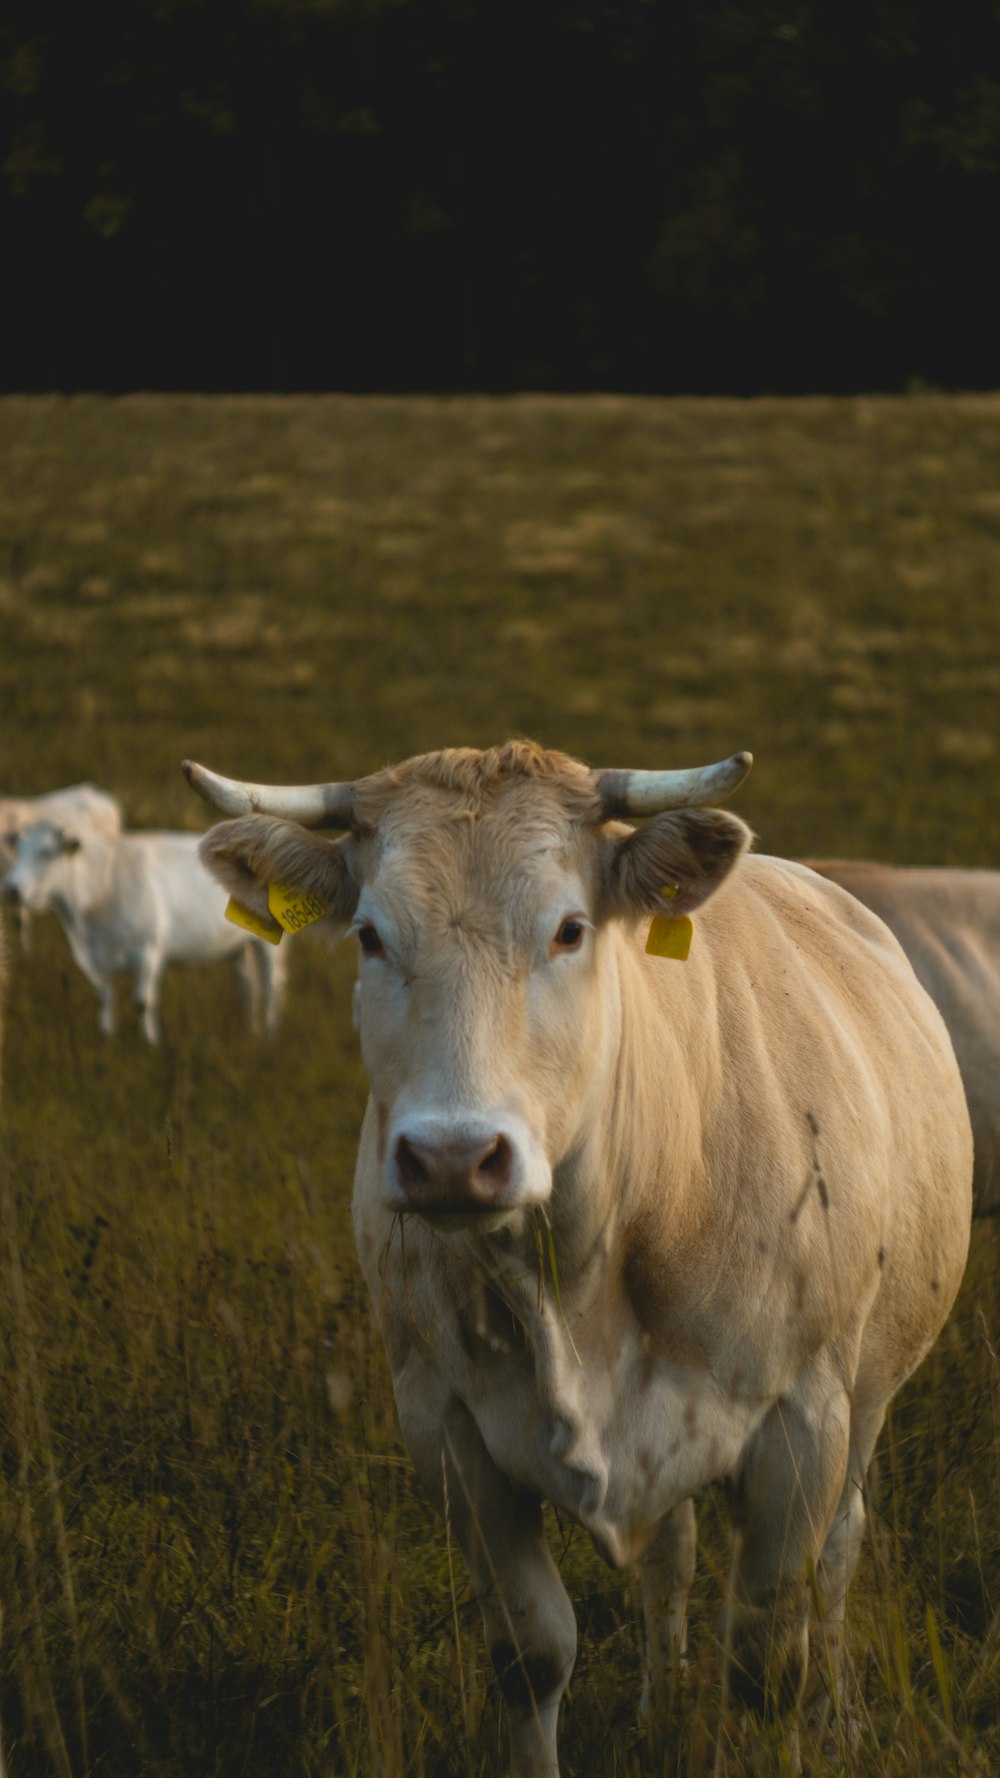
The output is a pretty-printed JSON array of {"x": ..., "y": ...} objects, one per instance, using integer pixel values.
[{"x": 455, "y": 1175}]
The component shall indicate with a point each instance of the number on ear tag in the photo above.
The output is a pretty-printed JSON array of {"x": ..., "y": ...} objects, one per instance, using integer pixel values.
[
  {"x": 251, "y": 922},
  {"x": 294, "y": 908},
  {"x": 670, "y": 936}
]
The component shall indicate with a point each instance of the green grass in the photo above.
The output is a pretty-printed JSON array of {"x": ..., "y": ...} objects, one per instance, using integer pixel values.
[{"x": 213, "y": 1557}]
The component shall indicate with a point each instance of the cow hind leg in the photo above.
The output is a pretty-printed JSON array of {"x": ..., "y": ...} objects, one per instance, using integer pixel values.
[
  {"x": 271, "y": 966},
  {"x": 786, "y": 1504},
  {"x": 666, "y": 1570},
  {"x": 837, "y": 1563},
  {"x": 527, "y": 1616},
  {"x": 246, "y": 970}
]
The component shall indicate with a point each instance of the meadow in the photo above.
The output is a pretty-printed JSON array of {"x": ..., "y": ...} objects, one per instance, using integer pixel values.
[{"x": 214, "y": 1561}]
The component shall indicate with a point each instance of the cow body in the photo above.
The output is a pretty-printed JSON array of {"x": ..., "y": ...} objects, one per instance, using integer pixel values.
[
  {"x": 132, "y": 903},
  {"x": 632, "y": 1226},
  {"x": 948, "y": 923}
]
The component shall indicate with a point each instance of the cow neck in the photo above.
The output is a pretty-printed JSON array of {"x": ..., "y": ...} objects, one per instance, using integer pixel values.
[
  {"x": 666, "y": 1081},
  {"x": 91, "y": 870}
]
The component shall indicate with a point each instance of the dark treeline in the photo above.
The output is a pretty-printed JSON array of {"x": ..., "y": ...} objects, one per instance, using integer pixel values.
[{"x": 667, "y": 195}]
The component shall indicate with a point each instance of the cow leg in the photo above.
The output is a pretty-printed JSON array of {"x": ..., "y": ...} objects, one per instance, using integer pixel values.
[
  {"x": 786, "y": 1504},
  {"x": 148, "y": 976},
  {"x": 838, "y": 1560},
  {"x": 270, "y": 965},
  {"x": 104, "y": 988},
  {"x": 528, "y": 1619},
  {"x": 666, "y": 1570},
  {"x": 246, "y": 971}
]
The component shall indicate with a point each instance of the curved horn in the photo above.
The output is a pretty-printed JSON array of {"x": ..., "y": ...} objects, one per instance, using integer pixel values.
[
  {"x": 312, "y": 805},
  {"x": 650, "y": 793}
]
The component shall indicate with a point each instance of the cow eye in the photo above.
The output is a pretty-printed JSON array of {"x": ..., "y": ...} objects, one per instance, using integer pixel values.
[
  {"x": 370, "y": 942},
  {"x": 570, "y": 935}
]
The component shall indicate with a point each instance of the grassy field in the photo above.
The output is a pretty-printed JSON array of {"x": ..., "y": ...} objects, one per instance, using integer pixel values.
[{"x": 213, "y": 1558}]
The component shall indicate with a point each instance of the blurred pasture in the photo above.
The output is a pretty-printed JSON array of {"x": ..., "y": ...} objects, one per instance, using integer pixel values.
[{"x": 212, "y": 1557}]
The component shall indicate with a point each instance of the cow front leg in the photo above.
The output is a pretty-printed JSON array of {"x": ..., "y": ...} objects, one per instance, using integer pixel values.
[
  {"x": 666, "y": 1570},
  {"x": 104, "y": 988},
  {"x": 148, "y": 975},
  {"x": 527, "y": 1616},
  {"x": 785, "y": 1505}
]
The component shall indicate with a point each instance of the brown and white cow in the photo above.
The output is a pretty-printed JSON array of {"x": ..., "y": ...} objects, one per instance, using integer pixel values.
[
  {"x": 948, "y": 923},
  {"x": 631, "y": 1225}
]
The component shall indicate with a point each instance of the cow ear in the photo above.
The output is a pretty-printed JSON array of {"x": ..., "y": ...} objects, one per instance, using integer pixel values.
[
  {"x": 674, "y": 863},
  {"x": 248, "y": 854}
]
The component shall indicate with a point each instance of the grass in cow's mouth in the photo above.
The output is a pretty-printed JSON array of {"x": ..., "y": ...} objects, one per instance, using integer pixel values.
[{"x": 213, "y": 1556}]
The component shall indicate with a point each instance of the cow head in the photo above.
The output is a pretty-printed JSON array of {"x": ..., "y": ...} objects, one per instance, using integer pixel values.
[
  {"x": 39, "y": 864},
  {"x": 481, "y": 887}
]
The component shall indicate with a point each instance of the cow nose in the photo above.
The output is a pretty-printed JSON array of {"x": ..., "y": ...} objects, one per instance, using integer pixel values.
[{"x": 454, "y": 1174}]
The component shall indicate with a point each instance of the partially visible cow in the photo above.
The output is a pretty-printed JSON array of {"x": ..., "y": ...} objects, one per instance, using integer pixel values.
[
  {"x": 948, "y": 923},
  {"x": 135, "y": 902},
  {"x": 75, "y": 806},
  {"x": 631, "y": 1224},
  {"x": 3, "y": 989}
]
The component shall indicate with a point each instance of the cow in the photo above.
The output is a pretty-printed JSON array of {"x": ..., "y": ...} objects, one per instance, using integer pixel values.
[
  {"x": 76, "y": 805},
  {"x": 136, "y": 902},
  {"x": 632, "y": 1224},
  {"x": 3, "y": 988},
  {"x": 948, "y": 923}
]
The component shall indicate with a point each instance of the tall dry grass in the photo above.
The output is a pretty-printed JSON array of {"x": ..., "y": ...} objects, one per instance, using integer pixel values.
[{"x": 213, "y": 1558}]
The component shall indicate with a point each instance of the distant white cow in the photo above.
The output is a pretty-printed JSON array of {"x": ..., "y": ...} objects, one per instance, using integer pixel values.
[
  {"x": 74, "y": 807},
  {"x": 136, "y": 902}
]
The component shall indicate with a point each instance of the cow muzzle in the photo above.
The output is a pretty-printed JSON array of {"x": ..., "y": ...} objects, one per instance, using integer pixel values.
[{"x": 470, "y": 1170}]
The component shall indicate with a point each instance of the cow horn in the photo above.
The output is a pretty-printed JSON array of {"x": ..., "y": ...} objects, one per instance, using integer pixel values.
[
  {"x": 312, "y": 805},
  {"x": 650, "y": 793}
]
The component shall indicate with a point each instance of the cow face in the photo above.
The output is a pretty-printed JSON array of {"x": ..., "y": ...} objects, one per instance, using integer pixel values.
[
  {"x": 39, "y": 866},
  {"x": 483, "y": 905}
]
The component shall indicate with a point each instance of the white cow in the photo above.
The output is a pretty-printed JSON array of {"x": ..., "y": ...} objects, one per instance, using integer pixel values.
[
  {"x": 3, "y": 987},
  {"x": 631, "y": 1224},
  {"x": 948, "y": 923},
  {"x": 75, "y": 806},
  {"x": 136, "y": 902}
]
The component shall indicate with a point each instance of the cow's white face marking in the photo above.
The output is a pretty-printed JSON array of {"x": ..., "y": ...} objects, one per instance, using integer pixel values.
[{"x": 481, "y": 1022}]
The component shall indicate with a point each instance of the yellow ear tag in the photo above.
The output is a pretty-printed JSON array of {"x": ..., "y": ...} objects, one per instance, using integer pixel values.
[
  {"x": 670, "y": 936},
  {"x": 294, "y": 908},
  {"x": 251, "y": 922}
]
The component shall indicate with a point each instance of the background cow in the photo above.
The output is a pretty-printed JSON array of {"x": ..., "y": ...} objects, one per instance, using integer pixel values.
[
  {"x": 76, "y": 806},
  {"x": 948, "y": 923},
  {"x": 135, "y": 902},
  {"x": 631, "y": 1225},
  {"x": 3, "y": 989}
]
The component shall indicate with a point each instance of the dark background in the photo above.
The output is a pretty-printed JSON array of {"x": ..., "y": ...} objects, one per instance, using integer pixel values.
[{"x": 781, "y": 195}]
